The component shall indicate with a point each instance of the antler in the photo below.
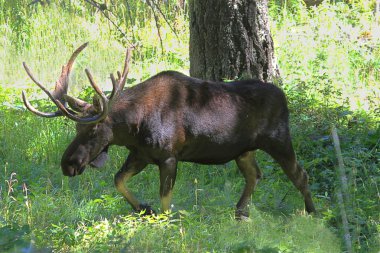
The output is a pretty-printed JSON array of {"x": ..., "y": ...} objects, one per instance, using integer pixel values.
[
  {"x": 62, "y": 83},
  {"x": 119, "y": 83},
  {"x": 104, "y": 105},
  {"x": 61, "y": 86},
  {"x": 59, "y": 95},
  {"x": 27, "y": 103},
  {"x": 60, "y": 98}
]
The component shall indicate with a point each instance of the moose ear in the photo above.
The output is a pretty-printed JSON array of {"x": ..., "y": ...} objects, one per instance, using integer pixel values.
[{"x": 76, "y": 104}]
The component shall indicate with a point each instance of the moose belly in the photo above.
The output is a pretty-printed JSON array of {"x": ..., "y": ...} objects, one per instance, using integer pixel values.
[{"x": 211, "y": 153}]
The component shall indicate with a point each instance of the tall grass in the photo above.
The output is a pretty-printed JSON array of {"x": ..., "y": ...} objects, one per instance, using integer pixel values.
[{"x": 329, "y": 61}]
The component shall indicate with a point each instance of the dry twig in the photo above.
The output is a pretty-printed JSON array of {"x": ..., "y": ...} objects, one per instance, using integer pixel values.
[{"x": 342, "y": 191}]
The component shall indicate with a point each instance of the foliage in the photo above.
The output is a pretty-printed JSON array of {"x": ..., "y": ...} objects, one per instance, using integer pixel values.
[
  {"x": 83, "y": 23},
  {"x": 329, "y": 60},
  {"x": 15, "y": 13}
]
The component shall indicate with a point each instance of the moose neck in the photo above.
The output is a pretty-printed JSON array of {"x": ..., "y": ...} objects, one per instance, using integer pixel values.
[{"x": 126, "y": 119}]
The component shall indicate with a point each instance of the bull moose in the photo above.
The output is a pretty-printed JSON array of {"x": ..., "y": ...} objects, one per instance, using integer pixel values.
[{"x": 172, "y": 117}]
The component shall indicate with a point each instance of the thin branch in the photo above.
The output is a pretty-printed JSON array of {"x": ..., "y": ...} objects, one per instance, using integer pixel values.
[
  {"x": 166, "y": 20},
  {"x": 342, "y": 191},
  {"x": 157, "y": 25},
  {"x": 102, "y": 8},
  {"x": 131, "y": 20},
  {"x": 42, "y": 2},
  {"x": 97, "y": 5}
]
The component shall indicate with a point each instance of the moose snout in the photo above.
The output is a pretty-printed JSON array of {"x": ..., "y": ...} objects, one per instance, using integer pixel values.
[
  {"x": 68, "y": 171},
  {"x": 73, "y": 163},
  {"x": 72, "y": 168},
  {"x": 72, "y": 171}
]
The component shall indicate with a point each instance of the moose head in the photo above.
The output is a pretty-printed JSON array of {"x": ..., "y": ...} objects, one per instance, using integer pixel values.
[{"x": 94, "y": 128}]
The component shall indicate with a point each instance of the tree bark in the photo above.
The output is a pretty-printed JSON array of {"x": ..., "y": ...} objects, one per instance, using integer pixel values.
[{"x": 230, "y": 39}]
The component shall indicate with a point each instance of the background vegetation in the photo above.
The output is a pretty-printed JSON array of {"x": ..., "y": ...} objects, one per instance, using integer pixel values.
[{"x": 329, "y": 58}]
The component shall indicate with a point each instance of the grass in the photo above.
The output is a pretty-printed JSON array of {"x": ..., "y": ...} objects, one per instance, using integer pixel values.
[{"x": 330, "y": 77}]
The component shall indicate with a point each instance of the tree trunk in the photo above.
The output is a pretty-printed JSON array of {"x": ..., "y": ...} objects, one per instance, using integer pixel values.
[{"x": 230, "y": 39}]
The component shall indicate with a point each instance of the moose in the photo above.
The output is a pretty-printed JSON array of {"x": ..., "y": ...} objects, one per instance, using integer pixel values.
[{"x": 171, "y": 118}]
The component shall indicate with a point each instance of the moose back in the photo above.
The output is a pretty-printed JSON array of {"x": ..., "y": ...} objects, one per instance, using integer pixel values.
[{"x": 171, "y": 118}]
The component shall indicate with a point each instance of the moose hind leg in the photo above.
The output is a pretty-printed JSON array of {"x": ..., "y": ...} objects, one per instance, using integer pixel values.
[
  {"x": 168, "y": 171},
  {"x": 248, "y": 167},
  {"x": 131, "y": 167},
  {"x": 285, "y": 156}
]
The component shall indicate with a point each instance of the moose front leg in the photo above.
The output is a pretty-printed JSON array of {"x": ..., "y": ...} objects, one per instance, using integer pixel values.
[
  {"x": 131, "y": 167},
  {"x": 168, "y": 172}
]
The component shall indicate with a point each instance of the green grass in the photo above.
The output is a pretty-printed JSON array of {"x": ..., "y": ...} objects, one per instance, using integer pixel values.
[{"x": 331, "y": 77}]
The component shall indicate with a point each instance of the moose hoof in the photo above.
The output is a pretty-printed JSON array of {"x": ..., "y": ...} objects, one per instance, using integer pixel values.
[
  {"x": 145, "y": 209},
  {"x": 242, "y": 215}
]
